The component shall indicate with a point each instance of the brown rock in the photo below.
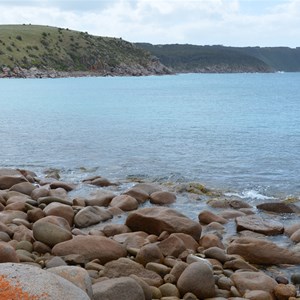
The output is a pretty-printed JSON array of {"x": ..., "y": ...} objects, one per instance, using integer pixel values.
[
  {"x": 231, "y": 214},
  {"x": 22, "y": 233},
  {"x": 7, "y": 253},
  {"x": 140, "y": 195},
  {"x": 257, "y": 251},
  {"x": 59, "y": 184},
  {"x": 77, "y": 275},
  {"x": 5, "y": 228},
  {"x": 126, "y": 267},
  {"x": 289, "y": 230},
  {"x": 210, "y": 240},
  {"x": 91, "y": 215},
  {"x": 149, "y": 253},
  {"x": 35, "y": 214},
  {"x": 124, "y": 288},
  {"x": 52, "y": 230},
  {"x": 162, "y": 198},
  {"x": 7, "y": 181},
  {"x": 285, "y": 291},
  {"x": 207, "y": 217},
  {"x": 257, "y": 224},
  {"x": 216, "y": 253},
  {"x": 60, "y": 210},
  {"x": 23, "y": 187},
  {"x": 198, "y": 279},
  {"x": 39, "y": 193},
  {"x": 172, "y": 246},
  {"x": 91, "y": 247},
  {"x": 101, "y": 198},
  {"x": 279, "y": 207},
  {"x": 253, "y": 281},
  {"x": 155, "y": 220},
  {"x": 258, "y": 295},
  {"x": 169, "y": 290},
  {"x": 7, "y": 216},
  {"x": 148, "y": 188},
  {"x": 124, "y": 202},
  {"x": 113, "y": 229},
  {"x": 295, "y": 237}
]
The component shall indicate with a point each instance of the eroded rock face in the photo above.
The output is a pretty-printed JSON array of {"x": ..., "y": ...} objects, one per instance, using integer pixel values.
[
  {"x": 261, "y": 252},
  {"x": 91, "y": 247},
  {"x": 155, "y": 220}
]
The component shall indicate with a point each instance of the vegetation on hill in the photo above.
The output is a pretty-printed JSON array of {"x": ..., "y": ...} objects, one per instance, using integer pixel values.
[
  {"x": 44, "y": 47},
  {"x": 191, "y": 58}
]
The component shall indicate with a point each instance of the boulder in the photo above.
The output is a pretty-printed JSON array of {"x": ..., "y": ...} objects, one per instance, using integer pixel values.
[
  {"x": 7, "y": 181},
  {"x": 7, "y": 216},
  {"x": 207, "y": 217},
  {"x": 132, "y": 239},
  {"x": 261, "y": 252},
  {"x": 113, "y": 229},
  {"x": 124, "y": 202},
  {"x": 198, "y": 279},
  {"x": 91, "y": 247},
  {"x": 140, "y": 195},
  {"x": 23, "y": 187},
  {"x": 39, "y": 193},
  {"x": 91, "y": 215},
  {"x": 148, "y": 188},
  {"x": 7, "y": 253},
  {"x": 59, "y": 184},
  {"x": 155, "y": 220},
  {"x": 23, "y": 281},
  {"x": 258, "y": 295},
  {"x": 149, "y": 253},
  {"x": 52, "y": 230},
  {"x": 172, "y": 246},
  {"x": 279, "y": 207},
  {"x": 258, "y": 224},
  {"x": 77, "y": 275},
  {"x": 124, "y": 288},
  {"x": 162, "y": 198},
  {"x": 100, "y": 198},
  {"x": 209, "y": 240},
  {"x": 60, "y": 210},
  {"x": 127, "y": 267},
  {"x": 285, "y": 291},
  {"x": 295, "y": 237},
  {"x": 253, "y": 281}
]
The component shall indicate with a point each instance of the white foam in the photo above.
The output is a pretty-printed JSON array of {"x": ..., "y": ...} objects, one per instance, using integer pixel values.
[{"x": 250, "y": 194}]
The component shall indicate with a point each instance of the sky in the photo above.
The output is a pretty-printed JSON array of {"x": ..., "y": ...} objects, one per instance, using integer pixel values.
[{"x": 201, "y": 22}]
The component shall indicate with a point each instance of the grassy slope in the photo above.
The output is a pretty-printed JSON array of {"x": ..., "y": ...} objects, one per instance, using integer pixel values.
[
  {"x": 204, "y": 58},
  {"x": 65, "y": 50}
]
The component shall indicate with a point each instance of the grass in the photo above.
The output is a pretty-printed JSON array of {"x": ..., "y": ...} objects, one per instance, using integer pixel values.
[{"x": 65, "y": 50}]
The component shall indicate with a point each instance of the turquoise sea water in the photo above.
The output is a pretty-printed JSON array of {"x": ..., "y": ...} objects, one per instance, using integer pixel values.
[{"x": 238, "y": 132}]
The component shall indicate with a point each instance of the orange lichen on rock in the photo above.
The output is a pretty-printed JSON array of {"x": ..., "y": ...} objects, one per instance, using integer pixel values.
[{"x": 10, "y": 291}]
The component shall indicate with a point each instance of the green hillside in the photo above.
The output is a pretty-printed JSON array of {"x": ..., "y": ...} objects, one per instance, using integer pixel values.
[
  {"x": 45, "y": 47},
  {"x": 191, "y": 58}
]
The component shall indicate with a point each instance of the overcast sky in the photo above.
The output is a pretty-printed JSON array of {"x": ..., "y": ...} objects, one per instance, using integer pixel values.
[{"x": 201, "y": 22}]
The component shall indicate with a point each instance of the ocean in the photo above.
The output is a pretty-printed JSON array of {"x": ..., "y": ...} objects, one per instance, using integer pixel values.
[{"x": 239, "y": 133}]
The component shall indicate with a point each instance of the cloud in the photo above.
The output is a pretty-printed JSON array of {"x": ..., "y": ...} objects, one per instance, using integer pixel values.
[{"x": 228, "y": 22}]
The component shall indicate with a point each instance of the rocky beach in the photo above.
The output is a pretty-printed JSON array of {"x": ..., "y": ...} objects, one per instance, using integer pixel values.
[{"x": 134, "y": 240}]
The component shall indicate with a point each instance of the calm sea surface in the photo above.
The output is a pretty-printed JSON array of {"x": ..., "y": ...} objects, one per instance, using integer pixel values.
[{"x": 237, "y": 132}]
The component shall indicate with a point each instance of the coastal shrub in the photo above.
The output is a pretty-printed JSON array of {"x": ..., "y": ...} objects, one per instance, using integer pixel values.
[
  {"x": 18, "y": 37},
  {"x": 29, "y": 47},
  {"x": 44, "y": 34},
  {"x": 1, "y": 52},
  {"x": 35, "y": 47},
  {"x": 9, "y": 48}
]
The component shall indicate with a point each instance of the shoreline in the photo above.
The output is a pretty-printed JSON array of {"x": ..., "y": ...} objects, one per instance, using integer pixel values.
[{"x": 167, "y": 230}]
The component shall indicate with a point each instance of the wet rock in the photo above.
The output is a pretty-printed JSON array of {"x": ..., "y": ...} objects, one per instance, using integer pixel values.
[
  {"x": 295, "y": 237},
  {"x": 172, "y": 246},
  {"x": 59, "y": 184},
  {"x": 91, "y": 215},
  {"x": 155, "y": 220},
  {"x": 289, "y": 230},
  {"x": 91, "y": 247},
  {"x": 52, "y": 230},
  {"x": 216, "y": 253},
  {"x": 39, "y": 193},
  {"x": 253, "y": 281},
  {"x": 207, "y": 217},
  {"x": 211, "y": 240},
  {"x": 279, "y": 207},
  {"x": 101, "y": 198},
  {"x": 231, "y": 214},
  {"x": 198, "y": 279},
  {"x": 98, "y": 181},
  {"x": 257, "y": 251},
  {"x": 162, "y": 198},
  {"x": 258, "y": 224},
  {"x": 140, "y": 195},
  {"x": 124, "y": 202},
  {"x": 124, "y": 288}
]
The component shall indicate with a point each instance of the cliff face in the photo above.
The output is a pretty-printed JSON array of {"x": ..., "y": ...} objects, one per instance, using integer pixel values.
[
  {"x": 42, "y": 51},
  {"x": 220, "y": 59}
]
